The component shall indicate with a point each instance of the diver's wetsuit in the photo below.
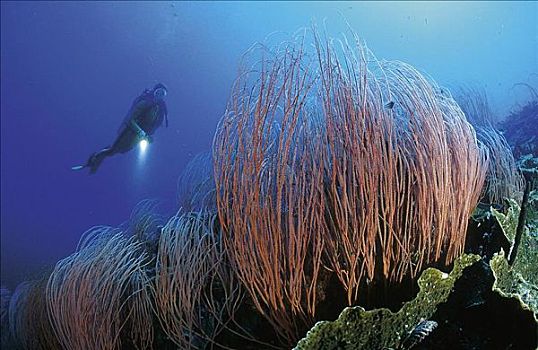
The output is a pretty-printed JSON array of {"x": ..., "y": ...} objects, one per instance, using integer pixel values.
[{"x": 148, "y": 113}]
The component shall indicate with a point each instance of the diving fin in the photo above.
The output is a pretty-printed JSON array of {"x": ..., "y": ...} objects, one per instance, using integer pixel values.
[{"x": 78, "y": 167}]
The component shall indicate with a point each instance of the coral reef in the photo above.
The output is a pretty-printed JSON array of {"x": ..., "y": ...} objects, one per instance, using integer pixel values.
[
  {"x": 89, "y": 293},
  {"x": 357, "y": 328},
  {"x": 516, "y": 282},
  {"x": 521, "y": 279},
  {"x": 467, "y": 311},
  {"x": 502, "y": 179},
  {"x": 332, "y": 175},
  {"x": 28, "y": 325},
  {"x": 196, "y": 186},
  {"x": 491, "y": 305},
  {"x": 196, "y": 296},
  {"x": 334, "y": 159}
]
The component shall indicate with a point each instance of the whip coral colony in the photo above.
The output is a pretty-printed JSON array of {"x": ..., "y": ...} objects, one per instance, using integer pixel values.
[{"x": 313, "y": 171}]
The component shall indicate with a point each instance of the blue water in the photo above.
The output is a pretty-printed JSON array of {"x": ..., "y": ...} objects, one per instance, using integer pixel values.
[{"x": 70, "y": 70}]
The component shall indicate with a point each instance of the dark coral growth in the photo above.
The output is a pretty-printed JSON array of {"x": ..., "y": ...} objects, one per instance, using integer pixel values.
[
  {"x": 476, "y": 317},
  {"x": 357, "y": 328},
  {"x": 468, "y": 314},
  {"x": 521, "y": 128},
  {"x": 5, "y": 335}
]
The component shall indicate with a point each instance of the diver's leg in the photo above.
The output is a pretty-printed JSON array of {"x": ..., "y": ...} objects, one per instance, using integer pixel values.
[
  {"x": 125, "y": 141},
  {"x": 97, "y": 158}
]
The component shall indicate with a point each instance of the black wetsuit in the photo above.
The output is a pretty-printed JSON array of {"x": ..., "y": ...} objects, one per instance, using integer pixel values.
[{"x": 148, "y": 113}]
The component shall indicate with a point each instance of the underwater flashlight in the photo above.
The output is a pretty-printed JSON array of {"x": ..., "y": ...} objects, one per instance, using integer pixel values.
[
  {"x": 142, "y": 151},
  {"x": 143, "y": 145}
]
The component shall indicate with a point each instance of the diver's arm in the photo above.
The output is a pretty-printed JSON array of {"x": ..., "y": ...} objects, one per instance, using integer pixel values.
[
  {"x": 138, "y": 129},
  {"x": 140, "y": 132}
]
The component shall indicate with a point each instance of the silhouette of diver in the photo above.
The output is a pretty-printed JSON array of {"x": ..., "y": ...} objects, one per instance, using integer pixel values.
[{"x": 144, "y": 117}]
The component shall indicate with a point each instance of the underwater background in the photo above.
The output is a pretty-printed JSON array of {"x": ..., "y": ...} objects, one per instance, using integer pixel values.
[{"x": 70, "y": 71}]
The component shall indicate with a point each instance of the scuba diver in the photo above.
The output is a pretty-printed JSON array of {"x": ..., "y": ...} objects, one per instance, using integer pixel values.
[{"x": 144, "y": 117}]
